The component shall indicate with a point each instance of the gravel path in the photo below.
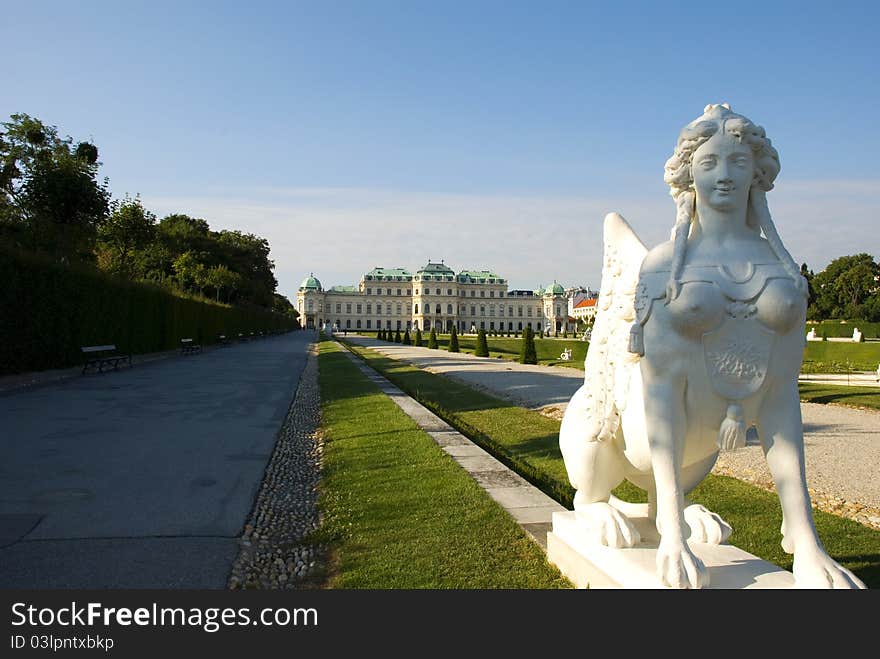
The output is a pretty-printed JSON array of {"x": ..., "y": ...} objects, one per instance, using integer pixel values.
[
  {"x": 272, "y": 552},
  {"x": 842, "y": 445}
]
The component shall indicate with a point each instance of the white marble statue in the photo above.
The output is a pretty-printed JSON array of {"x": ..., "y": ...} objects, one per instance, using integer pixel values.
[{"x": 696, "y": 340}]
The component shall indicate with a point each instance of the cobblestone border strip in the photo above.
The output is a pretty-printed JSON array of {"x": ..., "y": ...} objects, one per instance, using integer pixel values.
[{"x": 272, "y": 554}]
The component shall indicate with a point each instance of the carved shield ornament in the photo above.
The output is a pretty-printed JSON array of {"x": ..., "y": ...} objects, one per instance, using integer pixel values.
[{"x": 737, "y": 357}]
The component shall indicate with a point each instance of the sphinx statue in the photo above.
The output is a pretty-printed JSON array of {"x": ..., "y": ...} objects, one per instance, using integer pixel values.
[{"x": 695, "y": 341}]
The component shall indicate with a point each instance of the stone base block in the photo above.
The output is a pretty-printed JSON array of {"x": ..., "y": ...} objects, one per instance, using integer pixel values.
[{"x": 588, "y": 564}]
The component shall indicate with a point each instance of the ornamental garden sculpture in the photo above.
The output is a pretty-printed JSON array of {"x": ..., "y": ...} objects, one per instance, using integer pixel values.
[{"x": 696, "y": 340}]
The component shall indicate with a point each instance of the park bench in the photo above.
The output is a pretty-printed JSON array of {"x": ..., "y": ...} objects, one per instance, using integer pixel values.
[
  {"x": 100, "y": 356},
  {"x": 222, "y": 340},
  {"x": 187, "y": 347},
  {"x": 565, "y": 355}
]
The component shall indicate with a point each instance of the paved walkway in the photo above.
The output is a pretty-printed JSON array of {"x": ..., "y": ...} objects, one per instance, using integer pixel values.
[
  {"x": 842, "y": 445},
  {"x": 144, "y": 477}
]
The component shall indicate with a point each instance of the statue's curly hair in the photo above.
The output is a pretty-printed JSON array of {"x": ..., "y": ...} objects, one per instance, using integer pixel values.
[{"x": 678, "y": 175}]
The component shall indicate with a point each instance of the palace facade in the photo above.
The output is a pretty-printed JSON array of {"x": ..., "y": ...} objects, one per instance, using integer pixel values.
[{"x": 434, "y": 297}]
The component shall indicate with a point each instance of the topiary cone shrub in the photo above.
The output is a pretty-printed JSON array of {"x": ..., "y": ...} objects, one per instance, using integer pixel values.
[
  {"x": 418, "y": 341},
  {"x": 432, "y": 339},
  {"x": 528, "y": 354},
  {"x": 453, "y": 340},
  {"x": 397, "y": 338},
  {"x": 482, "y": 349},
  {"x": 406, "y": 340}
]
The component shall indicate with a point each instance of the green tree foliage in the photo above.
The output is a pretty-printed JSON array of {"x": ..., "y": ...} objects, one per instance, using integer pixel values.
[
  {"x": 407, "y": 341},
  {"x": 280, "y": 303},
  {"x": 50, "y": 198},
  {"x": 397, "y": 338},
  {"x": 432, "y": 339},
  {"x": 482, "y": 349},
  {"x": 418, "y": 339},
  {"x": 453, "y": 340},
  {"x": 124, "y": 237},
  {"x": 847, "y": 288},
  {"x": 528, "y": 354}
]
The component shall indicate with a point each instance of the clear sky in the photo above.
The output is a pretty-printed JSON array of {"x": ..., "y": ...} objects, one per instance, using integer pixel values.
[{"x": 489, "y": 134}]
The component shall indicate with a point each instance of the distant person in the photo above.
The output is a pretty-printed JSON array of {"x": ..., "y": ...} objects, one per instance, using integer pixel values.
[{"x": 878, "y": 372}]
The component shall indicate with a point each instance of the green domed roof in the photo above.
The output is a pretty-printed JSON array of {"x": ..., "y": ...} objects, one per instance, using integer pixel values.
[
  {"x": 310, "y": 283},
  {"x": 555, "y": 289}
]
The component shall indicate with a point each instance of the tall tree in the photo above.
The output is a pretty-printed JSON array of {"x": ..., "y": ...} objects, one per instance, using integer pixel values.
[
  {"x": 129, "y": 230},
  {"x": 50, "y": 198},
  {"x": 846, "y": 288}
]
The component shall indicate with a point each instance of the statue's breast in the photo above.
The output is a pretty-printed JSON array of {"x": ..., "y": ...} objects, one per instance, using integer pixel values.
[{"x": 699, "y": 308}]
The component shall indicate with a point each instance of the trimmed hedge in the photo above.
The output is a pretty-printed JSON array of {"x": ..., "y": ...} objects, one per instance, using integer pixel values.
[
  {"x": 48, "y": 311},
  {"x": 836, "y": 329}
]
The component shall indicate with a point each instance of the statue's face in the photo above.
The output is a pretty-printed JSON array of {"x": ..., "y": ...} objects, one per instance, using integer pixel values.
[{"x": 723, "y": 171}]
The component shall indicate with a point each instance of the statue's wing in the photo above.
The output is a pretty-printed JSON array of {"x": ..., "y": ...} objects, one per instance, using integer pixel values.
[{"x": 609, "y": 361}]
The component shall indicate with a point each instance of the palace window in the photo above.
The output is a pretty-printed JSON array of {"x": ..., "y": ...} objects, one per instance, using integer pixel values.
[
  {"x": 529, "y": 311},
  {"x": 348, "y": 307},
  {"x": 482, "y": 310},
  {"x": 407, "y": 291},
  {"x": 491, "y": 293},
  {"x": 482, "y": 293},
  {"x": 359, "y": 323},
  {"x": 369, "y": 291},
  {"x": 416, "y": 307},
  {"x": 491, "y": 325},
  {"x": 473, "y": 310},
  {"x": 348, "y": 323},
  {"x": 338, "y": 307},
  {"x": 449, "y": 291},
  {"x": 369, "y": 308},
  {"x": 519, "y": 313},
  {"x": 473, "y": 293},
  {"x": 358, "y": 308},
  {"x": 510, "y": 311},
  {"x": 438, "y": 292},
  {"x": 398, "y": 291},
  {"x": 449, "y": 309},
  {"x": 369, "y": 323},
  {"x": 399, "y": 309},
  {"x": 378, "y": 308},
  {"x": 439, "y": 310}
]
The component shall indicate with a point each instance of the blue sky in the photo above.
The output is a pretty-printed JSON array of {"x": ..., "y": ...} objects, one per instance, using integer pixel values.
[{"x": 489, "y": 134}]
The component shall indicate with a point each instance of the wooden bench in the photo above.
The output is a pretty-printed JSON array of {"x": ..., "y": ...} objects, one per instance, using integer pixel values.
[
  {"x": 187, "y": 347},
  {"x": 100, "y": 356},
  {"x": 222, "y": 340}
]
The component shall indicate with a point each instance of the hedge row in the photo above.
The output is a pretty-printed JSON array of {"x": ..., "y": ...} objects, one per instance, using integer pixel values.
[
  {"x": 835, "y": 329},
  {"x": 48, "y": 311}
]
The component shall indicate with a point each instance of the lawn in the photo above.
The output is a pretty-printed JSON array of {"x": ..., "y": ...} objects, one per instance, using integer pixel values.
[
  {"x": 840, "y": 395},
  {"x": 819, "y": 356},
  {"x": 834, "y": 357},
  {"x": 400, "y": 513},
  {"x": 528, "y": 442},
  {"x": 547, "y": 349}
]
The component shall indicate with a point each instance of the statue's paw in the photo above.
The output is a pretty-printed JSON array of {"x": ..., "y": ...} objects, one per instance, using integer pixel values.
[
  {"x": 608, "y": 525},
  {"x": 706, "y": 526},
  {"x": 816, "y": 569},
  {"x": 677, "y": 567}
]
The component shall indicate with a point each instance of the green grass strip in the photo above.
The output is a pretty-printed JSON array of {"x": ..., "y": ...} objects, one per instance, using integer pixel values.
[
  {"x": 840, "y": 395},
  {"x": 528, "y": 442},
  {"x": 398, "y": 511}
]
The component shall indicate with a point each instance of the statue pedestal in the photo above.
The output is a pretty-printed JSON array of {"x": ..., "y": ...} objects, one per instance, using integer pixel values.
[{"x": 587, "y": 563}]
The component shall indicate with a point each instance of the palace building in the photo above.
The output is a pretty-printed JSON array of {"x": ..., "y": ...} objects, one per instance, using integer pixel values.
[{"x": 434, "y": 297}]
